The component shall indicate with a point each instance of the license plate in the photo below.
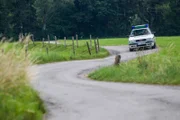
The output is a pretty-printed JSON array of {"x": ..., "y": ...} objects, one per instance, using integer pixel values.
[{"x": 140, "y": 43}]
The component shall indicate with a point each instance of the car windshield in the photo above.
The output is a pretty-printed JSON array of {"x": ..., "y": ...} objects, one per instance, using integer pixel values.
[{"x": 139, "y": 32}]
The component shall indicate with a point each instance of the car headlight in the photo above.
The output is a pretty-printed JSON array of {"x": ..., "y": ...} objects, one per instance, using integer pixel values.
[
  {"x": 150, "y": 39},
  {"x": 131, "y": 42}
]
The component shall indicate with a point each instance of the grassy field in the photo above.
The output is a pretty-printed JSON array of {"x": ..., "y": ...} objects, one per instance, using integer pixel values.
[
  {"x": 18, "y": 101},
  {"x": 161, "y": 41},
  {"x": 58, "y": 53},
  {"x": 103, "y": 41},
  {"x": 159, "y": 68}
]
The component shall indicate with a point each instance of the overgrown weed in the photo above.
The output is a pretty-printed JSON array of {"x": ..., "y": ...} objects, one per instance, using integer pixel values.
[{"x": 18, "y": 101}]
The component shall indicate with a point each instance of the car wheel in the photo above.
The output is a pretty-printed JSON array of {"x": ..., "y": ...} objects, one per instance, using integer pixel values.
[
  {"x": 130, "y": 49},
  {"x": 153, "y": 47}
]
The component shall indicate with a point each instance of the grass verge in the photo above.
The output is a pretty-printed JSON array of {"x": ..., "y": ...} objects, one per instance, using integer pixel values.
[
  {"x": 58, "y": 53},
  {"x": 18, "y": 101},
  {"x": 103, "y": 41},
  {"x": 159, "y": 68}
]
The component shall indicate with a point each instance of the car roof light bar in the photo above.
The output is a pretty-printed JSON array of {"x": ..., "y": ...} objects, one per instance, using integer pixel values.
[{"x": 140, "y": 26}]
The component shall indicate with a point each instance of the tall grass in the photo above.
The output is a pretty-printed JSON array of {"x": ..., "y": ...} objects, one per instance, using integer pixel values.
[
  {"x": 159, "y": 68},
  {"x": 18, "y": 101}
]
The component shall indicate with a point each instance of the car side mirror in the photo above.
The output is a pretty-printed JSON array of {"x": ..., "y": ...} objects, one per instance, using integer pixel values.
[
  {"x": 130, "y": 35},
  {"x": 153, "y": 32}
]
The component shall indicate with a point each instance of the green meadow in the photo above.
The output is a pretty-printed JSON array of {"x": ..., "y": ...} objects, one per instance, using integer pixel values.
[{"x": 161, "y": 68}]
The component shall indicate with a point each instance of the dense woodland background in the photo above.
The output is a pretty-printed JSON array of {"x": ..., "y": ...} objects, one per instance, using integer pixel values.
[{"x": 102, "y": 18}]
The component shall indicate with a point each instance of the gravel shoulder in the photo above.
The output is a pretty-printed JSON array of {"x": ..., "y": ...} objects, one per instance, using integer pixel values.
[{"x": 68, "y": 95}]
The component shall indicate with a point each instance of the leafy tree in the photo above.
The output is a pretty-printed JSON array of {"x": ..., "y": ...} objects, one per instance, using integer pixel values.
[
  {"x": 61, "y": 23},
  {"x": 44, "y": 10},
  {"x": 174, "y": 18},
  {"x": 101, "y": 18},
  {"x": 24, "y": 18}
]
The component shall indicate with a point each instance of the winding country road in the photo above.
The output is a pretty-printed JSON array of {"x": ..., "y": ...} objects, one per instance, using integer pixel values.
[{"x": 69, "y": 95}]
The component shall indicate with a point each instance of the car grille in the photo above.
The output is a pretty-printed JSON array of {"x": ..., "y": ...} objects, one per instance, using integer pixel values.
[
  {"x": 142, "y": 45},
  {"x": 140, "y": 40}
]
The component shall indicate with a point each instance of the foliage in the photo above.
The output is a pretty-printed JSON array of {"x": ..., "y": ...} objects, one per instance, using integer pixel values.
[
  {"x": 101, "y": 18},
  {"x": 17, "y": 16}
]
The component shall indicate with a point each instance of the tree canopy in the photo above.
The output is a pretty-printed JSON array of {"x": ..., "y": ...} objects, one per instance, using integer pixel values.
[{"x": 103, "y": 18}]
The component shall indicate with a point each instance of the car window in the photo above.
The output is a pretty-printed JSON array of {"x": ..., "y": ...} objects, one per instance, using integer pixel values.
[{"x": 140, "y": 32}]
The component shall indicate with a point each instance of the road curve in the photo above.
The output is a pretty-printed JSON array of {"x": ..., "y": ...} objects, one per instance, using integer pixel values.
[{"x": 68, "y": 95}]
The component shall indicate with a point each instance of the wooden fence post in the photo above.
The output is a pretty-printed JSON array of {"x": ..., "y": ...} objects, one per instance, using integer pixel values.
[
  {"x": 95, "y": 44},
  {"x": 47, "y": 50},
  {"x": 59, "y": 41},
  {"x": 33, "y": 40},
  {"x": 55, "y": 40},
  {"x": 89, "y": 50},
  {"x": 64, "y": 41},
  {"x": 48, "y": 39},
  {"x": 91, "y": 41},
  {"x": 43, "y": 42},
  {"x": 73, "y": 45},
  {"x": 77, "y": 41},
  {"x": 98, "y": 44}
]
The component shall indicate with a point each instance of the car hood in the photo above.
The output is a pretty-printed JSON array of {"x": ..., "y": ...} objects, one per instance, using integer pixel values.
[{"x": 141, "y": 37}]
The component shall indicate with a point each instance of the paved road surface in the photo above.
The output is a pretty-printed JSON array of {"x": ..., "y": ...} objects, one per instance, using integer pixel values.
[{"x": 69, "y": 95}]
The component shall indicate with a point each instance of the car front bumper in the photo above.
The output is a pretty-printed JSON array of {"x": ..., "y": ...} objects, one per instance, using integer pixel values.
[{"x": 148, "y": 44}]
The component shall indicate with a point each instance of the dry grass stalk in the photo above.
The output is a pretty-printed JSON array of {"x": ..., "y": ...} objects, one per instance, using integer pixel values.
[{"x": 13, "y": 68}]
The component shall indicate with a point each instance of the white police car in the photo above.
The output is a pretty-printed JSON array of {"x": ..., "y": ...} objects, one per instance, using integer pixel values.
[{"x": 141, "y": 37}]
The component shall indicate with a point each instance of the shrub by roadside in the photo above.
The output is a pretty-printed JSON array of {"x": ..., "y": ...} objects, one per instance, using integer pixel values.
[{"x": 18, "y": 101}]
